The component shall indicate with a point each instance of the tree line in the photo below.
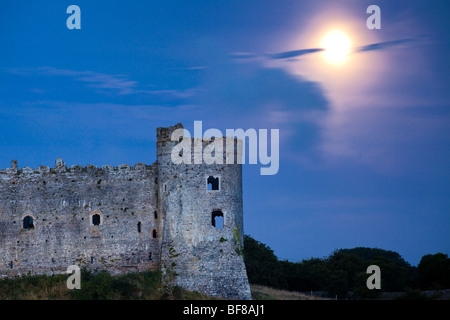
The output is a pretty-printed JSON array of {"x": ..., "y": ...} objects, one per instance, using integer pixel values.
[{"x": 343, "y": 272}]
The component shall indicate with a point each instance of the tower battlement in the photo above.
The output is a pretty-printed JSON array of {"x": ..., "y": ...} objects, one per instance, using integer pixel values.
[{"x": 164, "y": 134}]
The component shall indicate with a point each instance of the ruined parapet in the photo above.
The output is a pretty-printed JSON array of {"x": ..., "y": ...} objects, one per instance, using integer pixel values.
[
  {"x": 14, "y": 165},
  {"x": 164, "y": 134},
  {"x": 43, "y": 169},
  {"x": 60, "y": 165},
  {"x": 13, "y": 169},
  {"x": 61, "y": 168}
]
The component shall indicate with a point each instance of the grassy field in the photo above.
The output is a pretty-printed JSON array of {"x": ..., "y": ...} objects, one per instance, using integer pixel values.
[{"x": 267, "y": 293}]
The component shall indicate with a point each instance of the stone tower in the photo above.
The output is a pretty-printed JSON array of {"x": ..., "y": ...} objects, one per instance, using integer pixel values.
[{"x": 203, "y": 222}]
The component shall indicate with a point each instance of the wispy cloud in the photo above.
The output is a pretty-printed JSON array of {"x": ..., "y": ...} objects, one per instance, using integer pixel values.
[
  {"x": 95, "y": 115},
  {"x": 385, "y": 45},
  {"x": 277, "y": 56},
  {"x": 301, "y": 52},
  {"x": 120, "y": 84},
  {"x": 293, "y": 54},
  {"x": 194, "y": 68}
]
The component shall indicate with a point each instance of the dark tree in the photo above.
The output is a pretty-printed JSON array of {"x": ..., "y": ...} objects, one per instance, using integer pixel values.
[
  {"x": 262, "y": 264},
  {"x": 434, "y": 271}
]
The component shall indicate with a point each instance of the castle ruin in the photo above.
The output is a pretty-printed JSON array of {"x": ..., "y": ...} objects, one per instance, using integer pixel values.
[{"x": 180, "y": 218}]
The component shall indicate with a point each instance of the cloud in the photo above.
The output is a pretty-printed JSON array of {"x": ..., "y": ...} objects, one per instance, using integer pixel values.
[
  {"x": 236, "y": 95},
  {"x": 297, "y": 53},
  {"x": 250, "y": 91},
  {"x": 277, "y": 56},
  {"x": 385, "y": 45},
  {"x": 120, "y": 84}
]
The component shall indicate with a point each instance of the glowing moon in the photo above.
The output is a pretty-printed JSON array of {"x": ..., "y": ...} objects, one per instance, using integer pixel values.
[{"x": 337, "y": 47}]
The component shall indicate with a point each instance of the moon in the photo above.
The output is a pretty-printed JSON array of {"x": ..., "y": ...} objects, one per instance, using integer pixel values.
[{"x": 337, "y": 47}]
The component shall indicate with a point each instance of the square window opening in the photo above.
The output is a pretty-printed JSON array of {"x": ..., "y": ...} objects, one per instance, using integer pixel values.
[
  {"x": 217, "y": 220},
  {"x": 212, "y": 183}
]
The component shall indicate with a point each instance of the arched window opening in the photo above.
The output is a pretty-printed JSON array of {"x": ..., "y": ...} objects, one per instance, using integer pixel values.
[
  {"x": 154, "y": 234},
  {"x": 96, "y": 219},
  {"x": 217, "y": 219},
  {"x": 28, "y": 222},
  {"x": 139, "y": 226},
  {"x": 155, "y": 214}
]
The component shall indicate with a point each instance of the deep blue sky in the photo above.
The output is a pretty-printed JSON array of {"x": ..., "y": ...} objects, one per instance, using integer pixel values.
[{"x": 364, "y": 151}]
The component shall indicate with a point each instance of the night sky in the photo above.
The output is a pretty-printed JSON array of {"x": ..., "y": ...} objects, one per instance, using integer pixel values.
[{"x": 364, "y": 141}]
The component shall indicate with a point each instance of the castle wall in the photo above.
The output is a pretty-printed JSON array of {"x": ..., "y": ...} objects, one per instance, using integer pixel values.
[
  {"x": 128, "y": 219},
  {"x": 62, "y": 202}
]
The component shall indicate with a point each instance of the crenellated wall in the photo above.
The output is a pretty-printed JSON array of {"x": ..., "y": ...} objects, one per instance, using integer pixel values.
[{"x": 61, "y": 202}]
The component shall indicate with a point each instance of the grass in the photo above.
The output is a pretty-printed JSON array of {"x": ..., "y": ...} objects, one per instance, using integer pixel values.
[
  {"x": 266, "y": 293},
  {"x": 95, "y": 286},
  {"x": 34, "y": 288},
  {"x": 133, "y": 286}
]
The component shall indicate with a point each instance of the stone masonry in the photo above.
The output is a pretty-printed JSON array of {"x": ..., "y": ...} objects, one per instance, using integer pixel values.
[{"x": 185, "y": 219}]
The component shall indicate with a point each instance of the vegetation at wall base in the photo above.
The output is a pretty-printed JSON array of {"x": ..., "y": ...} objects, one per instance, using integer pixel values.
[{"x": 95, "y": 286}]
